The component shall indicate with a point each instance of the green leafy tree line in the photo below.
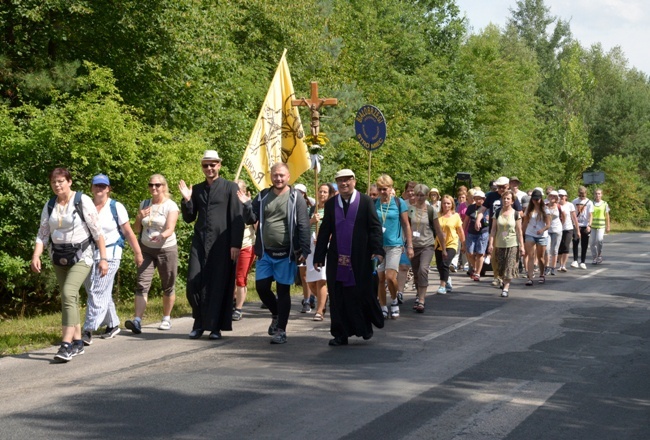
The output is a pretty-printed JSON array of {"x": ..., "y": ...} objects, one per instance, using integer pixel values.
[{"x": 131, "y": 88}]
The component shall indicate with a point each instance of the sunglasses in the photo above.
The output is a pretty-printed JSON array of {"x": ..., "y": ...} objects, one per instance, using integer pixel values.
[
  {"x": 210, "y": 165},
  {"x": 155, "y": 185},
  {"x": 382, "y": 189}
]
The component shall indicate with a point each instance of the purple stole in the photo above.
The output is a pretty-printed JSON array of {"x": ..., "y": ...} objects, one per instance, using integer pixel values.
[{"x": 344, "y": 228}]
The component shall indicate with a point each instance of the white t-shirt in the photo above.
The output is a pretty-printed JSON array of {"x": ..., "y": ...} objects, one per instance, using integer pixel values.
[
  {"x": 109, "y": 227},
  {"x": 583, "y": 209},
  {"x": 556, "y": 223},
  {"x": 567, "y": 208},
  {"x": 154, "y": 224}
]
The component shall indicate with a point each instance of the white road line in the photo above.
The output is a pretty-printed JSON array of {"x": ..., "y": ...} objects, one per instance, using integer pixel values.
[
  {"x": 456, "y": 326},
  {"x": 644, "y": 255},
  {"x": 591, "y": 274}
]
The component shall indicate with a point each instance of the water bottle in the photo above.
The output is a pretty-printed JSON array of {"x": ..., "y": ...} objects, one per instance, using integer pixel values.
[{"x": 375, "y": 264}]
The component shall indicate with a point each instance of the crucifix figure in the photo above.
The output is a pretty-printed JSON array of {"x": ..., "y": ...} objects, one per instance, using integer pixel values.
[{"x": 314, "y": 103}]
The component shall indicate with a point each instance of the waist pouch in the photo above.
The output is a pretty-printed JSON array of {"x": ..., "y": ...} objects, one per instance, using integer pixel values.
[
  {"x": 66, "y": 254},
  {"x": 277, "y": 253}
]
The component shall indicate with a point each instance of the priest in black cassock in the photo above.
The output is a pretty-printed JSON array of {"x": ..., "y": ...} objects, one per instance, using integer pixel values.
[
  {"x": 350, "y": 236},
  {"x": 218, "y": 234}
]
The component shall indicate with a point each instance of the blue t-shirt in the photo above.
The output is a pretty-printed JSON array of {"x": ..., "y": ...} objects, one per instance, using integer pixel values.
[{"x": 389, "y": 217}]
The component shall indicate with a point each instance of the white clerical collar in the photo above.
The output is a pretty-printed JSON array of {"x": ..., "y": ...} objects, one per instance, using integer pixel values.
[{"x": 352, "y": 198}]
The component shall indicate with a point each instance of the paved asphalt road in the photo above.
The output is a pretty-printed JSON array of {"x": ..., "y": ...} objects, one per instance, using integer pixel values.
[{"x": 567, "y": 360}]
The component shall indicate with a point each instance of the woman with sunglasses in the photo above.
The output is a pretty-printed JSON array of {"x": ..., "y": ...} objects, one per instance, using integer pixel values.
[
  {"x": 156, "y": 222},
  {"x": 115, "y": 224}
]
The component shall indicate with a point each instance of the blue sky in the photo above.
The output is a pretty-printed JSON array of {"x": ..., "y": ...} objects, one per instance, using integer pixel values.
[{"x": 624, "y": 23}]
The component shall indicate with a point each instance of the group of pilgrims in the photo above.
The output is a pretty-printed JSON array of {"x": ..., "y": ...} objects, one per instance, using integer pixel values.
[{"x": 345, "y": 248}]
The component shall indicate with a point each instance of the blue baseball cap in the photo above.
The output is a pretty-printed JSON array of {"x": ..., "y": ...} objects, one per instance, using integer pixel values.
[{"x": 101, "y": 179}]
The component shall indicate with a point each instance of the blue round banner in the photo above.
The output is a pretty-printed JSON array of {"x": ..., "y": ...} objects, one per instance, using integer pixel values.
[{"x": 370, "y": 127}]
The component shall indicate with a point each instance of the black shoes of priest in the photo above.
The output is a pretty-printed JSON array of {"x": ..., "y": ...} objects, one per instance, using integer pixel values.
[{"x": 338, "y": 341}]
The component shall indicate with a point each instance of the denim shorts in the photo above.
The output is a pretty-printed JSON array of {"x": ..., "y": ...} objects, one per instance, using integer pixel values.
[
  {"x": 477, "y": 244},
  {"x": 542, "y": 241}
]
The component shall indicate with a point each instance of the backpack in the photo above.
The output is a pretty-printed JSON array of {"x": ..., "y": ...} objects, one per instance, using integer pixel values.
[
  {"x": 77, "y": 208},
  {"x": 120, "y": 241},
  {"x": 497, "y": 213}
]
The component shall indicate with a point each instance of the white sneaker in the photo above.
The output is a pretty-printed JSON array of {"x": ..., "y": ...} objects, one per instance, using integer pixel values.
[
  {"x": 394, "y": 311},
  {"x": 165, "y": 325},
  {"x": 575, "y": 265},
  {"x": 583, "y": 266}
]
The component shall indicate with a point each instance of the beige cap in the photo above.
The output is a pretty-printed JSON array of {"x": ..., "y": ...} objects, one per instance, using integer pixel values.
[
  {"x": 345, "y": 172},
  {"x": 502, "y": 181}
]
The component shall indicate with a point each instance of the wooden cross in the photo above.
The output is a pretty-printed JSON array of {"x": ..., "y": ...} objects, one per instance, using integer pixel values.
[{"x": 314, "y": 103}]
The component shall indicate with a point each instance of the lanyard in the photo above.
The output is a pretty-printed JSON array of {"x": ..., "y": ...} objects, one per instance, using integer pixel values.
[{"x": 381, "y": 208}]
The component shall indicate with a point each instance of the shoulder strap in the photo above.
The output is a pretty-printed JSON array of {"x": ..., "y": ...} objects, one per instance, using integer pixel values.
[
  {"x": 430, "y": 214},
  {"x": 398, "y": 203},
  {"x": 50, "y": 205},
  {"x": 113, "y": 206},
  {"x": 77, "y": 205}
]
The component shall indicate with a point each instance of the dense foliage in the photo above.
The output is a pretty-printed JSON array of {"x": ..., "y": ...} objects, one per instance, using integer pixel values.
[{"x": 131, "y": 88}]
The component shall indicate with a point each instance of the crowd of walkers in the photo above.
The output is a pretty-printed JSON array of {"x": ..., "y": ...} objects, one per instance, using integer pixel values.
[{"x": 345, "y": 247}]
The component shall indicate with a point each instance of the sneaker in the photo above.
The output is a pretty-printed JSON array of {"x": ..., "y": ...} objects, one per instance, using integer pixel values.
[
  {"x": 547, "y": 271},
  {"x": 77, "y": 348},
  {"x": 504, "y": 294},
  {"x": 384, "y": 311},
  {"x": 87, "y": 337},
  {"x": 441, "y": 290},
  {"x": 595, "y": 261},
  {"x": 599, "y": 260},
  {"x": 306, "y": 308},
  {"x": 575, "y": 265},
  {"x": 400, "y": 298},
  {"x": 111, "y": 332},
  {"x": 496, "y": 282},
  {"x": 449, "y": 285},
  {"x": 273, "y": 328},
  {"x": 237, "y": 315},
  {"x": 466, "y": 267},
  {"x": 583, "y": 266},
  {"x": 65, "y": 353},
  {"x": 562, "y": 269},
  {"x": 312, "y": 301},
  {"x": 394, "y": 311},
  {"x": 280, "y": 337},
  {"x": 553, "y": 271},
  {"x": 134, "y": 326},
  {"x": 166, "y": 324},
  {"x": 452, "y": 268}
]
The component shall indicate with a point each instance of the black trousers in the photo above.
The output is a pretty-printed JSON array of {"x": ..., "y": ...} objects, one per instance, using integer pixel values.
[
  {"x": 279, "y": 306},
  {"x": 583, "y": 240},
  {"x": 443, "y": 263}
]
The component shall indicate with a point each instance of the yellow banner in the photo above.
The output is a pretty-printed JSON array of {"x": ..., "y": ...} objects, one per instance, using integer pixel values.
[{"x": 278, "y": 135}]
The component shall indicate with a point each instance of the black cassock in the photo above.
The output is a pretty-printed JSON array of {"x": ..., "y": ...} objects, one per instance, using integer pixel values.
[
  {"x": 353, "y": 309},
  {"x": 211, "y": 273}
]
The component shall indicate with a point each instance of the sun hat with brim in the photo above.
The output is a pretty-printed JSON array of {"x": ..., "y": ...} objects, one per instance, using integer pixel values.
[
  {"x": 345, "y": 172},
  {"x": 101, "y": 179},
  {"x": 562, "y": 193},
  {"x": 502, "y": 181},
  {"x": 434, "y": 190},
  {"x": 554, "y": 193},
  {"x": 480, "y": 194},
  {"x": 211, "y": 156},
  {"x": 515, "y": 179},
  {"x": 300, "y": 187}
]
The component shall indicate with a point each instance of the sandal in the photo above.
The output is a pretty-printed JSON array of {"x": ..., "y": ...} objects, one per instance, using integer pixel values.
[
  {"x": 529, "y": 282},
  {"x": 318, "y": 317},
  {"x": 420, "y": 308},
  {"x": 542, "y": 279},
  {"x": 415, "y": 306}
]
